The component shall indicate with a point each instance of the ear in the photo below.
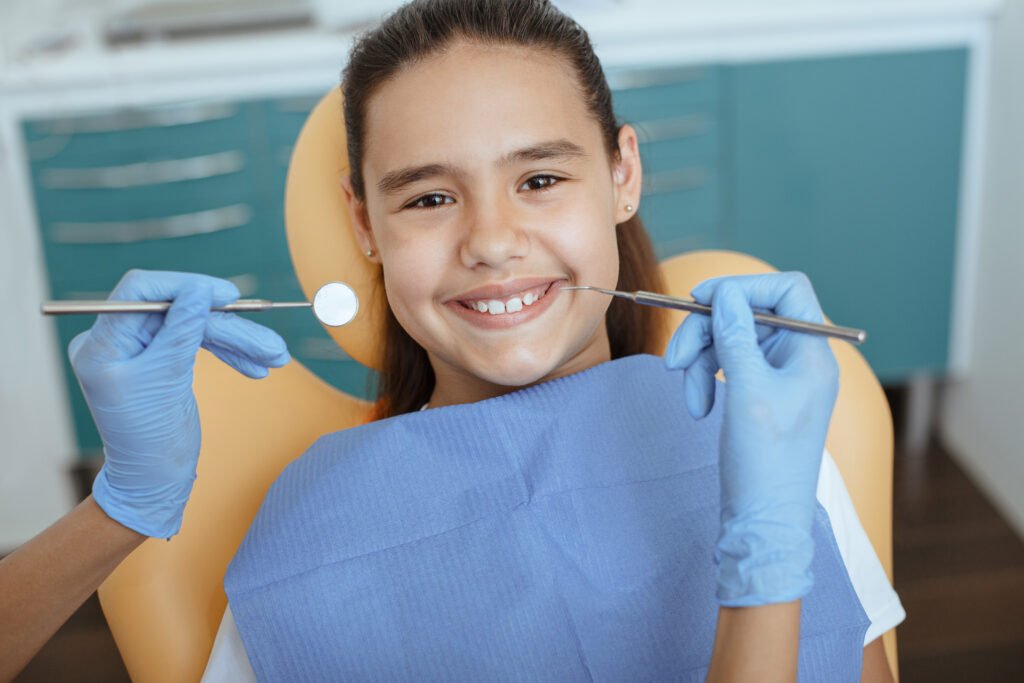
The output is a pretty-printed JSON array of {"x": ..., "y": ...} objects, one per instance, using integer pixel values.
[
  {"x": 360, "y": 221},
  {"x": 627, "y": 175}
]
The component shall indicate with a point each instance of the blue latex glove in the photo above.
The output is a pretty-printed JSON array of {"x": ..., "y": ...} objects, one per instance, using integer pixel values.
[
  {"x": 136, "y": 373},
  {"x": 782, "y": 387}
]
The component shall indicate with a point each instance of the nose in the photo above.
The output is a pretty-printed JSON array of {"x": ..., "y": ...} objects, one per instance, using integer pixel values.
[{"x": 493, "y": 239}]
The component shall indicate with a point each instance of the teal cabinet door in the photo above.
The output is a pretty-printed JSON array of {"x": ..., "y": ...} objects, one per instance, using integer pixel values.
[{"x": 848, "y": 169}]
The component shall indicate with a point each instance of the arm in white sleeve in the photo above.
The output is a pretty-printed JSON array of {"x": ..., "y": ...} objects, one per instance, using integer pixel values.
[
  {"x": 876, "y": 594},
  {"x": 228, "y": 661}
]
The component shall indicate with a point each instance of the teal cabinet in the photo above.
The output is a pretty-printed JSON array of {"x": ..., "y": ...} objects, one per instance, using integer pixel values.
[
  {"x": 677, "y": 113},
  {"x": 849, "y": 170}
]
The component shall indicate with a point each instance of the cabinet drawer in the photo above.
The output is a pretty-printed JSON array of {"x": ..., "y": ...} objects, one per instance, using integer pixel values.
[
  {"x": 672, "y": 239},
  {"x": 285, "y": 117},
  {"x": 687, "y": 138},
  {"x": 134, "y": 135},
  {"x": 688, "y": 194},
  {"x": 640, "y": 91},
  {"x": 250, "y": 247},
  {"x": 130, "y": 205},
  {"x": 659, "y": 91},
  {"x": 669, "y": 216}
]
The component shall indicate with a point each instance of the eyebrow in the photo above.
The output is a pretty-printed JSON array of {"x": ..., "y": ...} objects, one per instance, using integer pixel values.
[{"x": 561, "y": 149}]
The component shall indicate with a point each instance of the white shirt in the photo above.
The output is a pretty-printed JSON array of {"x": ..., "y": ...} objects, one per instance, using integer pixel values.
[{"x": 229, "y": 663}]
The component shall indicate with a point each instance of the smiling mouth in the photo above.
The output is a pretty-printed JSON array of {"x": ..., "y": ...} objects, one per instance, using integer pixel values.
[{"x": 514, "y": 303}]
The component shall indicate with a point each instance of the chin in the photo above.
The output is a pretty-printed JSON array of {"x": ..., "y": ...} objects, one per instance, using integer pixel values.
[{"x": 516, "y": 369}]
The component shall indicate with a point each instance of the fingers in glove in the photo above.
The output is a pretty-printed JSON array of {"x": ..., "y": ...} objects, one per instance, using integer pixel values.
[
  {"x": 246, "y": 339},
  {"x": 694, "y": 335},
  {"x": 787, "y": 294},
  {"x": 240, "y": 363},
  {"x": 735, "y": 338},
  {"x": 699, "y": 384},
  {"x": 689, "y": 339},
  {"x": 184, "y": 324},
  {"x": 125, "y": 335}
]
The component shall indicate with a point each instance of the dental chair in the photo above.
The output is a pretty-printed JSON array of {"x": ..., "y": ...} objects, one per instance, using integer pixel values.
[{"x": 165, "y": 602}]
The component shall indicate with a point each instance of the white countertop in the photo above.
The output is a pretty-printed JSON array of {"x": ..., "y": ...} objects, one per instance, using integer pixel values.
[{"x": 624, "y": 32}]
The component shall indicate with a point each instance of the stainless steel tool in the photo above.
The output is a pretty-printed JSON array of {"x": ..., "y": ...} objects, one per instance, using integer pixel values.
[
  {"x": 850, "y": 334},
  {"x": 334, "y": 304}
]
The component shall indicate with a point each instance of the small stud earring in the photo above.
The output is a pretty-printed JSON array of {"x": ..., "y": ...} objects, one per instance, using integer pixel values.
[
  {"x": 370, "y": 253},
  {"x": 629, "y": 207}
]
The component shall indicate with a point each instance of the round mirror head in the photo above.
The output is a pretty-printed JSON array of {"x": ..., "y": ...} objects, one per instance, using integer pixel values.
[{"x": 335, "y": 304}]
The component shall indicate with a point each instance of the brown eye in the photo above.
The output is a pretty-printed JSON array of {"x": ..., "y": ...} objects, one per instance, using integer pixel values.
[
  {"x": 429, "y": 201},
  {"x": 540, "y": 182}
]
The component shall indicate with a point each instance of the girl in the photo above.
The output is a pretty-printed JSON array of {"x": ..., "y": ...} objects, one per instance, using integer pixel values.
[{"x": 550, "y": 483}]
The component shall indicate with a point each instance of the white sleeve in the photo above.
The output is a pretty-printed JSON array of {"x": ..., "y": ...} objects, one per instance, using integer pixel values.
[
  {"x": 228, "y": 662},
  {"x": 877, "y": 596}
]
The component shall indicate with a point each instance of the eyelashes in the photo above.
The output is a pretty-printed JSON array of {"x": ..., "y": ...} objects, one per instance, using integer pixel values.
[
  {"x": 542, "y": 182},
  {"x": 429, "y": 201}
]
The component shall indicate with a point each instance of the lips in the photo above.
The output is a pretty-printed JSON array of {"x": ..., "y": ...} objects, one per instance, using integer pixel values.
[
  {"x": 505, "y": 289},
  {"x": 506, "y": 304}
]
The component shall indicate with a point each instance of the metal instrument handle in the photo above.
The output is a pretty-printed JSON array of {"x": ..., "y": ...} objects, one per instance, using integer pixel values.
[
  {"x": 106, "y": 306},
  {"x": 850, "y": 334}
]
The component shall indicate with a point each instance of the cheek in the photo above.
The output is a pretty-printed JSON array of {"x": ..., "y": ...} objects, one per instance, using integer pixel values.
[{"x": 587, "y": 242}]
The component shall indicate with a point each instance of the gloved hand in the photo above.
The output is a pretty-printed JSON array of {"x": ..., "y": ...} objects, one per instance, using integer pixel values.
[
  {"x": 781, "y": 388},
  {"x": 136, "y": 373}
]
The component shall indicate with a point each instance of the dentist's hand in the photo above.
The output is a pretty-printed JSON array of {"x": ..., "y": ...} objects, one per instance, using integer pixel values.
[
  {"x": 781, "y": 388},
  {"x": 136, "y": 373}
]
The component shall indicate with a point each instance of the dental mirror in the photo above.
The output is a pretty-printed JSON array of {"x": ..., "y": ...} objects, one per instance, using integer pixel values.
[{"x": 335, "y": 304}]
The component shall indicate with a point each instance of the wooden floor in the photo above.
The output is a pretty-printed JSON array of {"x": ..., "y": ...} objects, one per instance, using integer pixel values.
[{"x": 959, "y": 572}]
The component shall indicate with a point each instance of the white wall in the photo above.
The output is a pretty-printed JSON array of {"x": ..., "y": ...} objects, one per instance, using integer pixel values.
[
  {"x": 36, "y": 444},
  {"x": 983, "y": 414}
]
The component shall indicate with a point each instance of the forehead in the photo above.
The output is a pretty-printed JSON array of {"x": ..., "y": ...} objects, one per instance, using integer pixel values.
[{"x": 473, "y": 103}]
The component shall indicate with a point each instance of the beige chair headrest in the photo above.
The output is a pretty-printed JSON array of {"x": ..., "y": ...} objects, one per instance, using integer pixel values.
[{"x": 320, "y": 237}]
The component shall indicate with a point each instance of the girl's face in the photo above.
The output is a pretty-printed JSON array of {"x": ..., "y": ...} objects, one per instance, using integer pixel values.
[{"x": 488, "y": 187}]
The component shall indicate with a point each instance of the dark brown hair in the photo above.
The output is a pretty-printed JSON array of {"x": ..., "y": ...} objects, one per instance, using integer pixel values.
[{"x": 425, "y": 27}]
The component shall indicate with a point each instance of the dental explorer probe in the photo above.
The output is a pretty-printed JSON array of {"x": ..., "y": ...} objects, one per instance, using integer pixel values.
[
  {"x": 334, "y": 304},
  {"x": 850, "y": 334}
]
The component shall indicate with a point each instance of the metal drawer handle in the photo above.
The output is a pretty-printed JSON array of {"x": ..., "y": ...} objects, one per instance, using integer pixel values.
[
  {"x": 129, "y": 119},
  {"x": 670, "y": 129},
  {"x": 684, "y": 179},
  {"x": 313, "y": 348},
  {"x": 184, "y": 225},
  {"x": 144, "y": 173},
  {"x": 631, "y": 79}
]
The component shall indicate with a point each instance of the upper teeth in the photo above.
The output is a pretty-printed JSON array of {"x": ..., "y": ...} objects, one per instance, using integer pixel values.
[{"x": 511, "y": 305}]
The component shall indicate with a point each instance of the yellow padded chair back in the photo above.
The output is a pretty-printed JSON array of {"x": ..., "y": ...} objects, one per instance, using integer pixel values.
[{"x": 165, "y": 602}]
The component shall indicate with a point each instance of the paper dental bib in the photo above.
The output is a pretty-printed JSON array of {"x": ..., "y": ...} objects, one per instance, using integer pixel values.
[{"x": 564, "y": 532}]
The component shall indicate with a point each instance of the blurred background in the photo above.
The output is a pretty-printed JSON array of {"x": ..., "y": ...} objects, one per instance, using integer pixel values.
[{"x": 876, "y": 146}]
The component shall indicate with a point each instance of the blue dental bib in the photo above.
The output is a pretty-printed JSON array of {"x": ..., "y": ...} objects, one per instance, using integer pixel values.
[{"x": 564, "y": 532}]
